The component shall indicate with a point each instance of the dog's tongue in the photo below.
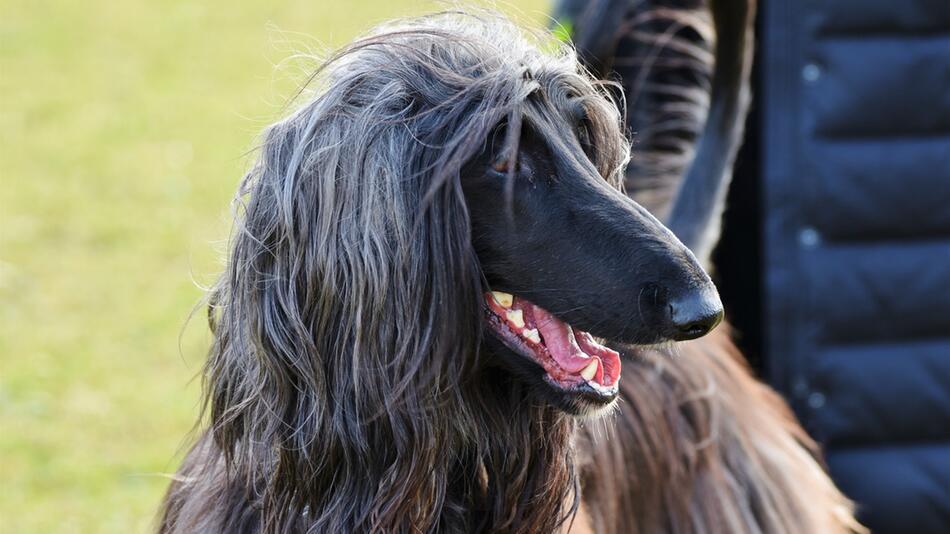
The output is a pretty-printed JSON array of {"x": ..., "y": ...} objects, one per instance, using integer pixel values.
[
  {"x": 609, "y": 371},
  {"x": 573, "y": 349},
  {"x": 560, "y": 340}
]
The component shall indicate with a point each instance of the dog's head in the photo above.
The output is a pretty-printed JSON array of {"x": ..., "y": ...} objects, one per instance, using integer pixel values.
[
  {"x": 446, "y": 203},
  {"x": 444, "y": 209},
  {"x": 451, "y": 187},
  {"x": 567, "y": 257}
]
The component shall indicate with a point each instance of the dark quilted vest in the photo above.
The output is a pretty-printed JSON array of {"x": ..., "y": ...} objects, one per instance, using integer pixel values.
[{"x": 855, "y": 181}]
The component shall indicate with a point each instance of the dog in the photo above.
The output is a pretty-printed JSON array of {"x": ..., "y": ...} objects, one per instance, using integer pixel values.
[{"x": 440, "y": 313}]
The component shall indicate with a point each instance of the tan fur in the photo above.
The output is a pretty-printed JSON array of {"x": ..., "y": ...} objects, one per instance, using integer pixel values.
[
  {"x": 698, "y": 445},
  {"x": 581, "y": 524}
]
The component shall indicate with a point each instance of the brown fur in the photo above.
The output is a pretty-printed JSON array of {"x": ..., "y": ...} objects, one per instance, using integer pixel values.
[
  {"x": 698, "y": 445},
  {"x": 300, "y": 440}
]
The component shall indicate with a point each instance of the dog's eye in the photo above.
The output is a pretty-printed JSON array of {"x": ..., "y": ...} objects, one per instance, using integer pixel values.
[{"x": 503, "y": 166}]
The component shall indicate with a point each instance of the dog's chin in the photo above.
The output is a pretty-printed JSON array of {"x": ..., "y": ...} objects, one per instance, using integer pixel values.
[
  {"x": 583, "y": 401},
  {"x": 563, "y": 366}
]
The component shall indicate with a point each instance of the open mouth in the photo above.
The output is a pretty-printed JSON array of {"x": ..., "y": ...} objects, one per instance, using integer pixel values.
[{"x": 572, "y": 359}]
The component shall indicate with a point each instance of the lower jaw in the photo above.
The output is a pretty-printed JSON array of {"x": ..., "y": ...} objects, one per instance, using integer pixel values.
[
  {"x": 581, "y": 398},
  {"x": 584, "y": 400}
]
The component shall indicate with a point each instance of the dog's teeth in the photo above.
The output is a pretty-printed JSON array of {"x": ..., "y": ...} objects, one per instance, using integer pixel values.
[
  {"x": 515, "y": 317},
  {"x": 589, "y": 371},
  {"x": 532, "y": 334},
  {"x": 505, "y": 299}
]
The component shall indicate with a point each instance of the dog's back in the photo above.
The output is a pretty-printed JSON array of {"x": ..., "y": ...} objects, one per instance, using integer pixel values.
[{"x": 699, "y": 445}]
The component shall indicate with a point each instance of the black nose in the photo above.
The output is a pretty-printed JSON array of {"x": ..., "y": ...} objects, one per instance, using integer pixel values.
[{"x": 694, "y": 314}]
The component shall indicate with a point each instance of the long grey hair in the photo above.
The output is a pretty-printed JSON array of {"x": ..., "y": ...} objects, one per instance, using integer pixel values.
[{"x": 345, "y": 389}]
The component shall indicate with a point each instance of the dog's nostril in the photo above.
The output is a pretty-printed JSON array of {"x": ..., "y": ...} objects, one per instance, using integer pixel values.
[{"x": 695, "y": 314}]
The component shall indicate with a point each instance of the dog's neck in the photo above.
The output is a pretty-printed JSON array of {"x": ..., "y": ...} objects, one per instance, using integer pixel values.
[{"x": 516, "y": 474}]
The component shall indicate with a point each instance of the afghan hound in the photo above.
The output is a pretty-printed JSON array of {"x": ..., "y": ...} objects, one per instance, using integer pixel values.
[{"x": 441, "y": 314}]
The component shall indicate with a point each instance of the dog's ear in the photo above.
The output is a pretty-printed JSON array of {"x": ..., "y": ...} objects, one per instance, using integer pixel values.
[{"x": 347, "y": 317}]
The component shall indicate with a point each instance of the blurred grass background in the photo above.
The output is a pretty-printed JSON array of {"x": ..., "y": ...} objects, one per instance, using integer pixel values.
[{"x": 124, "y": 129}]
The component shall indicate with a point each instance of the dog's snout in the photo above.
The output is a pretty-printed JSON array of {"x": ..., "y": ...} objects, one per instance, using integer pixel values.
[{"x": 694, "y": 313}]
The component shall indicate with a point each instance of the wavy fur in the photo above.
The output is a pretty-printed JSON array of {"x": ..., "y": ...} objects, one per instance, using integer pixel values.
[
  {"x": 344, "y": 387},
  {"x": 699, "y": 446},
  {"x": 345, "y": 390}
]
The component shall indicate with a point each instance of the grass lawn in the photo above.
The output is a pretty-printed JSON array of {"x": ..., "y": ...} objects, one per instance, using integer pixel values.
[{"x": 124, "y": 128}]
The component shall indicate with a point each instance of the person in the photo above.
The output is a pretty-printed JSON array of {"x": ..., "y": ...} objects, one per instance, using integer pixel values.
[{"x": 834, "y": 263}]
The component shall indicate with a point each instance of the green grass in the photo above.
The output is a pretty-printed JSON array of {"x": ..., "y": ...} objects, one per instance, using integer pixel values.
[{"x": 124, "y": 128}]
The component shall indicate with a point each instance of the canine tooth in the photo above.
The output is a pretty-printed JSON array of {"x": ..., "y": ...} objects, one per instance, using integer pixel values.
[
  {"x": 515, "y": 317},
  {"x": 505, "y": 299},
  {"x": 532, "y": 334},
  {"x": 589, "y": 371}
]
